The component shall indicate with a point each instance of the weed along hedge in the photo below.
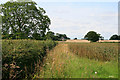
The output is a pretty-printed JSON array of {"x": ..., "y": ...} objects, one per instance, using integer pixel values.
[{"x": 22, "y": 58}]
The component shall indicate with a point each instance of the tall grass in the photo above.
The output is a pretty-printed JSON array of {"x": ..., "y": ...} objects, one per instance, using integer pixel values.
[
  {"x": 62, "y": 63},
  {"x": 22, "y": 58},
  {"x": 97, "y": 51}
]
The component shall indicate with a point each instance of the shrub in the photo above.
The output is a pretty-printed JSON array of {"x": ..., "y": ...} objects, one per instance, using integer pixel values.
[{"x": 22, "y": 58}]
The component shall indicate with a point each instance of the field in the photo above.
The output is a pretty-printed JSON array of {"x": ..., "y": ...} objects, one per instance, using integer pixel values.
[
  {"x": 97, "y": 51},
  {"x": 86, "y": 41},
  {"x": 45, "y": 59},
  {"x": 81, "y": 60}
]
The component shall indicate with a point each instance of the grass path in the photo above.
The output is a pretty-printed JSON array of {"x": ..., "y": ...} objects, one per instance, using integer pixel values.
[{"x": 61, "y": 63}]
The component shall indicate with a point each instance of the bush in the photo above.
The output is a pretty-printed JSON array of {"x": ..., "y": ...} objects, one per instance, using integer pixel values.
[
  {"x": 22, "y": 58},
  {"x": 50, "y": 44}
]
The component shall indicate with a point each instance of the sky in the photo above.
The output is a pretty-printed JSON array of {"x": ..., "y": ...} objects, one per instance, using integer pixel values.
[
  {"x": 3, "y": 1},
  {"x": 76, "y": 18}
]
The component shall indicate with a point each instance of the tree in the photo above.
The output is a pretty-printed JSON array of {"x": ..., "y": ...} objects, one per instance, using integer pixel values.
[
  {"x": 119, "y": 37},
  {"x": 24, "y": 20},
  {"x": 115, "y": 37},
  {"x": 0, "y": 23},
  {"x": 92, "y": 36},
  {"x": 75, "y": 38},
  {"x": 101, "y": 38},
  {"x": 50, "y": 35},
  {"x": 61, "y": 37},
  {"x": 0, "y": 18}
]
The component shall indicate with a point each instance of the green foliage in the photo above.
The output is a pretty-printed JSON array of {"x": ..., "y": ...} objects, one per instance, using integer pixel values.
[
  {"x": 57, "y": 37},
  {"x": 75, "y": 38},
  {"x": 61, "y": 37},
  {"x": 22, "y": 58},
  {"x": 92, "y": 36},
  {"x": 23, "y": 20},
  {"x": 0, "y": 20},
  {"x": 115, "y": 37},
  {"x": 50, "y": 35},
  {"x": 50, "y": 44},
  {"x": 0, "y": 16}
]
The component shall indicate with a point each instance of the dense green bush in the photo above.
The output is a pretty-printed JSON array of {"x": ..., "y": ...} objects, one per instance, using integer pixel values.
[
  {"x": 50, "y": 44},
  {"x": 22, "y": 58}
]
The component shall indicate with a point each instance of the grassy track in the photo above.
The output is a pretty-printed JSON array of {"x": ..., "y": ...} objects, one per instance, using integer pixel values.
[{"x": 61, "y": 63}]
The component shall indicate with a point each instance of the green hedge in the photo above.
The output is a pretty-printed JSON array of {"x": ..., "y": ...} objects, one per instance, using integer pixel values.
[{"x": 22, "y": 58}]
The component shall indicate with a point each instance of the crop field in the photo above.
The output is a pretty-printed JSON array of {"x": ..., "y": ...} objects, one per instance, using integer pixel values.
[
  {"x": 49, "y": 59},
  {"x": 97, "y": 51}
]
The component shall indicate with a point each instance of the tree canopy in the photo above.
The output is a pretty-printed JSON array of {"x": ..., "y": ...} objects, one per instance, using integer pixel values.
[
  {"x": 75, "y": 38},
  {"x": 115, "y": 37},
  {"x": 57, "y": 36},
  {"x": 92, "y": 36},
  {"x": 50, "y": 35},
  {"x": 0, "y": 17},
  {"x": 22, "y": 20}
]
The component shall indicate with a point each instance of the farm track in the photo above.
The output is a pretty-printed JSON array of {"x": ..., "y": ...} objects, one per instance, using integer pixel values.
[
  {"x": 57, "y": 61},
  {"x": 61, "y": 63}
]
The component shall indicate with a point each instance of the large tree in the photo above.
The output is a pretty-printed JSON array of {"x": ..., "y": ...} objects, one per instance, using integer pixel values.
[
  {"x": 92, "y": 36},
  {"x": 24, "y": 20},
  {"x": 0, "y": 17}
]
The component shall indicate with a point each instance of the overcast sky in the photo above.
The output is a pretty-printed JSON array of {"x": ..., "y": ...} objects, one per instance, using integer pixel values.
[
  {"x": 3, "y": 1},
  {"x": 76, "y": 18}
]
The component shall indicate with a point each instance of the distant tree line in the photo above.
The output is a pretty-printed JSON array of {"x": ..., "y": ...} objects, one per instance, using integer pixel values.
[
  {"x": 94, "y": 36},
  {"x": 115, "y": 37},
  {"x": 57, "y": 36}
]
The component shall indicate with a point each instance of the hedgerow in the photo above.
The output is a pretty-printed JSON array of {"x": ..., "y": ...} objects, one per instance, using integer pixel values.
[{"x": 22, "y": 58}]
